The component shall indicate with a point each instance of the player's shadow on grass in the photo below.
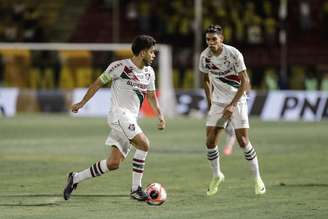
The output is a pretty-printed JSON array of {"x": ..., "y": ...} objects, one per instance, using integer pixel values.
[
  {"x": 58, "y": 199},
  {"x": 29, "y": 205},
  {"x": 303, "y": 184},
  {"x": 60, "y": 195}
]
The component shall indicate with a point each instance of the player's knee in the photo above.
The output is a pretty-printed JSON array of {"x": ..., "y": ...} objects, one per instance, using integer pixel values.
[
  {"x": 142, "y": 143},
  {"x": 144, "y": 146},
  {"x": 210, "y": 143},
  {"x": 242, "y": 141}
]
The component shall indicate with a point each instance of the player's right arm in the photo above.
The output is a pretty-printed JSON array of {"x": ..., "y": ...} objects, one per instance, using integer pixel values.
[
  {"x": 208, "y": 89},
  {"x": 94, "y": 87},
  {"x": 206, "y": 80},
  {"x": 112, "y": 72}
]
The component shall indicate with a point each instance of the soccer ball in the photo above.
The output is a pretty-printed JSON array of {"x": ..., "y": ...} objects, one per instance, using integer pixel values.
[{"x": 156, "y": 193}]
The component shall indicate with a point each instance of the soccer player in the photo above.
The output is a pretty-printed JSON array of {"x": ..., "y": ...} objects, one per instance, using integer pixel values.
[
  {"x": 225, "y": 83},
  {"x": 132, "y": 79}
]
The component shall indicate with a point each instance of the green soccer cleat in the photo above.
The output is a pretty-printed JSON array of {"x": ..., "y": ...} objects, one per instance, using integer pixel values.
[
  {"x": 259, "y": 187},
  {"x": 214, "y": 185}
]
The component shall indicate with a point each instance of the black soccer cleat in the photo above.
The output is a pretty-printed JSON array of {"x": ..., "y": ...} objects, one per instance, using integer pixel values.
[
  {"x": 139, "y": 195},
  {"x": 70, "y": 186}
]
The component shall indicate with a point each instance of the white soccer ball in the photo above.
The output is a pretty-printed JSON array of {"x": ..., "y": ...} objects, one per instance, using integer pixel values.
[{"x": 157, "y": 194}]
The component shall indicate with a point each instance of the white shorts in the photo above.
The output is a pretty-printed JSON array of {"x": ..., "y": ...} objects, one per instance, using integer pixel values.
[
  {"x": 239, "y": 118},
  {"x": 124, "y": 127}
]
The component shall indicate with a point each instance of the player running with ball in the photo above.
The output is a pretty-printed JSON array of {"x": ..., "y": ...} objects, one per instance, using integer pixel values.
[
  {"x": 132, "y": 79},
  {"x": 225, "y": 83}
]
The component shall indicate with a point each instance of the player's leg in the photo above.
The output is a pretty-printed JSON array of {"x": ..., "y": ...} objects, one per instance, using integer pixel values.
[
  {"x": 251, "y": 157},
  {"x": 101, "y": 167},
  {"x": 141, "y": 143},
  {"x": 97, "y": 169},
  {"x": 133, "y": 133},
  {"x": 213, "y": 157},
  {"x": 240, "y": 122},
  {"x": 230, "y": 139},
  {"x": 213, "y": 130}
]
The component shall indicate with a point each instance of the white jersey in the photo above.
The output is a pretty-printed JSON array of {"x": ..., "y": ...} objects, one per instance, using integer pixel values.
[
  {"x": 223, "y": 71},
  {"x": 129, "y": 85}
]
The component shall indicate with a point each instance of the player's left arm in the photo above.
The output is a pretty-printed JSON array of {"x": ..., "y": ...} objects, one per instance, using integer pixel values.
[
  {"x": 244, "y": 87},
  {"x": 154, "y": 103}
]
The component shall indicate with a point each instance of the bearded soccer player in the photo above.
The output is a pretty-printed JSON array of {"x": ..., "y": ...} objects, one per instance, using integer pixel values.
[
  {"x": 225, "y": 83},
  {"x": 132, "y": 79}
]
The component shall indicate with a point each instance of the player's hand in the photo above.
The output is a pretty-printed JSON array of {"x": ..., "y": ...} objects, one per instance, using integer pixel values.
[
  {"x": 228, "y": 110},
  {"x": 161, "y": 124},
  {"x": 76, "y": 107}
]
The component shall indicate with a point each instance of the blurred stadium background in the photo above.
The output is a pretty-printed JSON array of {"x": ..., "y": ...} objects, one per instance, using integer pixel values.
[
  {"x": 284, "y": 43},
  {"x": 50, "y": 51}
]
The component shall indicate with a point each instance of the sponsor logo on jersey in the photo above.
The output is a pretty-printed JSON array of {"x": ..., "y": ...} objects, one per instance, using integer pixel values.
[
  {"x": 222, "y": 73},
  {"x": 136, "y": 84}
]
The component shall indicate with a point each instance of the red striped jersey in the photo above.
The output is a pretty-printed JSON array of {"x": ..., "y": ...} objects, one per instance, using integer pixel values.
[
  {"x": 223, "y": 71},
  {"x": 129, "y": 85}
]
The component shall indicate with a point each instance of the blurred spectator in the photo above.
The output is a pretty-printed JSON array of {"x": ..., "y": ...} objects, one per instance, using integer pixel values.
[
  {"x": 44, "y": 60},
  {"x": 131, "y": 11},
  {"x": 254, "y": 31},
  {"x": 270, "y": 30},
  {"x": 267, "y": 8},
  {"x": 253, "y": 25},
  {"x": 239, "y": 33},
  {"x": 33, "y": 31},
  {"x": 311, "y": 81},
  {"x": 270, "y": 79},
  {"x": 11, "y": 31},
  {"x": 324, "y": 82},
  {"x": 305, "y": 15},
  {"x": 227, "y": 33},
  {"x": 18, "y": 11},
  {"x": 324, "y": 13},
  {"x": 144, "y": 17},
  {"x": 297, "y": 78},
  {"x": 31, "y": 17}
]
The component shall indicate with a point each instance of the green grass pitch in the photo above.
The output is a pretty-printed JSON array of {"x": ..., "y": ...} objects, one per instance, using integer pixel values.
[{"x": 37, "y": 151}]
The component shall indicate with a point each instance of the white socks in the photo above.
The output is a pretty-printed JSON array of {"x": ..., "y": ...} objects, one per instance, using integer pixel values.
[
  {"x": 213, "y": 157},
  {"x": 97, "y": 169},
  {"x": 100, "y": 167},
  {"x": 138, "y": 164},
  {"x": 250, "y": 155}
]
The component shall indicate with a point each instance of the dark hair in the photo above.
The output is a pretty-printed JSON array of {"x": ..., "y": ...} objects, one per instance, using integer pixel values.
[
  {"x": 142, "y": 42},
  {"x": 214, "y": 28}
]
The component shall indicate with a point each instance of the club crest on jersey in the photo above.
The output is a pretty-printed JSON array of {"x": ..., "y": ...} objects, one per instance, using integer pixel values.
[{"x": 132, "y": 127}]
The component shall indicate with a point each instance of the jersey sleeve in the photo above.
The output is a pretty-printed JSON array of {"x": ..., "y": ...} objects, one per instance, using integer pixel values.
[
  {"x": 151, "y": 86},
  {"x": 113, "y": 71},
  {"x": 239, "y": 62},
  {"x": 202, "y": 64}
]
